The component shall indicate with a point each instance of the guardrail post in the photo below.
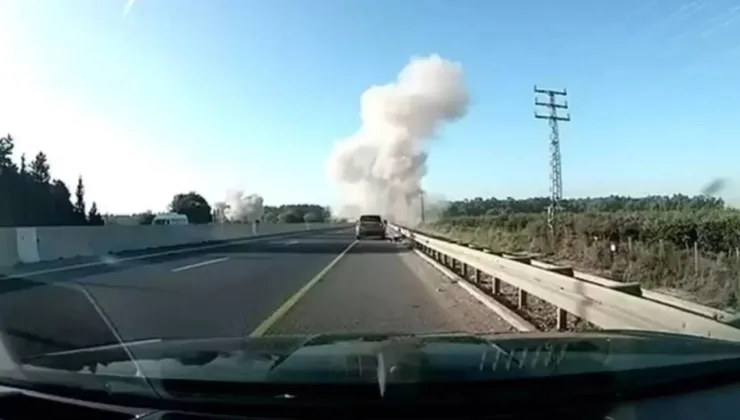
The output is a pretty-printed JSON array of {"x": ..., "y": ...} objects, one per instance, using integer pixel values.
[
  {"x": 464, "y": 269},
  {"x": 496, "y": 286},
  {"x": 562, "y": 321},
  {"x": 562, "y": 314},
  {"x": 522, "y": 299},
  {"x": 522, "y": 295},
  {"x": 477, "y": 276}
]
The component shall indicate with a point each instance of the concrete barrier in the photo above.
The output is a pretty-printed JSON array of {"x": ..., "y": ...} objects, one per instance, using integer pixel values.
[
  {"x": 8, "y": 247},
  {"x": 27, "y": 245}
]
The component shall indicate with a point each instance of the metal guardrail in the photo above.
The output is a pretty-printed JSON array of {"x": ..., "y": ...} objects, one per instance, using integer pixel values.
[
  {"x": 603, "y": 304},
  {"x": 637, "y": 290}
]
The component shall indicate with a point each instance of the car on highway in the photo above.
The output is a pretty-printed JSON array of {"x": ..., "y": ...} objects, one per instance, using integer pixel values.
[{"x": 370, "y": 225}]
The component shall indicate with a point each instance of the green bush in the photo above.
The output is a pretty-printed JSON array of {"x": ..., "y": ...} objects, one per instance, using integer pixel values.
[{"x": 712, "y": 230}]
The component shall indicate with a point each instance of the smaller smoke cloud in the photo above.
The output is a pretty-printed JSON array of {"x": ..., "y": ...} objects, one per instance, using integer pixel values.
[
  {"x": 349, "y": 211},
  {"x": 715, "y": 187},
  {"x": 434, "y": 207},
  {"x": 244, "y": 208},
  {"x": 129, "y": 5},
  {"x": 725, "y": 189}
]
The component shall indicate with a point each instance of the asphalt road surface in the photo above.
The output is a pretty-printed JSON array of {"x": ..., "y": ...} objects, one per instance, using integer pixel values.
[{"x": 305, "y": 284}]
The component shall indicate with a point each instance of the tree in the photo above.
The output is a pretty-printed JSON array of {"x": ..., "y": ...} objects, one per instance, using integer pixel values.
[
  {"x": 40, "y": 171},
  {"x": 94, "y": 218},
  {"x": 219, "y": 211},
  {"x": 290, "y": 216},
  {"x": 28, "y": 195},
  {"x": 23, "y": 168},
  {"x": 80, "y": 196},
  {"x": 145, "y": 218},
  {"x": 80, "y": 201},
  {"x": 7, "y": 144},
  {"x": 294, "y": 212},
  {"x": 192, "y": 205},
  {"x": 311, "y": 217},
  {"x": 62, "y": 208}
]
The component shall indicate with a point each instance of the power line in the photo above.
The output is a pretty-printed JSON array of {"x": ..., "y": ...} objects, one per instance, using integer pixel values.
[{"x": 556, "y": 179}]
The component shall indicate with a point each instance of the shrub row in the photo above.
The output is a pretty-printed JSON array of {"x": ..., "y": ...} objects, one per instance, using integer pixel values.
[{"x": 713, "y": 230}]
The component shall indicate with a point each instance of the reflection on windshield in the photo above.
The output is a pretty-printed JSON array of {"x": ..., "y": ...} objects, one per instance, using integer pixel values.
[
  {"x": 38, "y": 317},
  {"x": 185, "y": 194}
]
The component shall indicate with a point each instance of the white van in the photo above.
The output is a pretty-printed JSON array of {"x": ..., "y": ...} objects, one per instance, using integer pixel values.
[{"x": 170, "y": 219}]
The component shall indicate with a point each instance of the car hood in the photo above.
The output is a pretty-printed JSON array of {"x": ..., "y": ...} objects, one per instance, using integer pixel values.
[
  {"x": 267, "y": 367},
  {"x": 353, "y": 358}
]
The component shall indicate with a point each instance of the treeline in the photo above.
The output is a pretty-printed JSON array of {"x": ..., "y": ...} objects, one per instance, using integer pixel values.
[
  {"x": 30, "y": 197},
  {"x": 199, "y": 211},
  {"x": 495, "y": 206},
  {"x": 296, "y": 213}
]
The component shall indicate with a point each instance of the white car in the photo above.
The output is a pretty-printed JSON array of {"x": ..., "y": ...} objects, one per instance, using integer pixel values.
[{"x": 170, "y": 219}]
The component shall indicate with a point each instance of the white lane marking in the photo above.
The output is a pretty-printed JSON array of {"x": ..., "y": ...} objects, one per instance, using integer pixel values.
[
  {"x": 285, "y": 307},
  {"x": 200, "y": 264},
  {"x": 284, "y": 243},
  {"x": 143, "y": 257}
]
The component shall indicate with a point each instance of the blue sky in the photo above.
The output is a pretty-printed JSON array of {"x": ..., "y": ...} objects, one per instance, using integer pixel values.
[{"x": 214, "y": 95}]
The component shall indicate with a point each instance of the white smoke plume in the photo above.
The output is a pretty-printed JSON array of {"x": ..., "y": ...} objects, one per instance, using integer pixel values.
[
  {"x": 379, "y": 169},
  {"x": 241, "y": 208},
  {"x": 434, "y": 207}
]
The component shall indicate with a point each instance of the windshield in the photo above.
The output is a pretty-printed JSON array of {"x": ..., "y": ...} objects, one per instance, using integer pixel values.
[{"x": 272, "y": 193}]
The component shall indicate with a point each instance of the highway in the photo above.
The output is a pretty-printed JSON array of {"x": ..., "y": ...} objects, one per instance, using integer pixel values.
[{"x": 314, "y": 282}]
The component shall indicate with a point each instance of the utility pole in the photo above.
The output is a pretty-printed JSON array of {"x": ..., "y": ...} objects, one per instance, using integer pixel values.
[{"x": 556, "y": 179}]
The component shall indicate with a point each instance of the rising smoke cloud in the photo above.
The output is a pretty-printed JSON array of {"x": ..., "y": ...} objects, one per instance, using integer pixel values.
[
  {"x": 243, "y": 208},
  {"x": 379, "y": 169}
]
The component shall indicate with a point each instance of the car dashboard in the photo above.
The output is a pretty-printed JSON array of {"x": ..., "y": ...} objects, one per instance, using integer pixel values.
[{"x": 706, "y": 405}]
